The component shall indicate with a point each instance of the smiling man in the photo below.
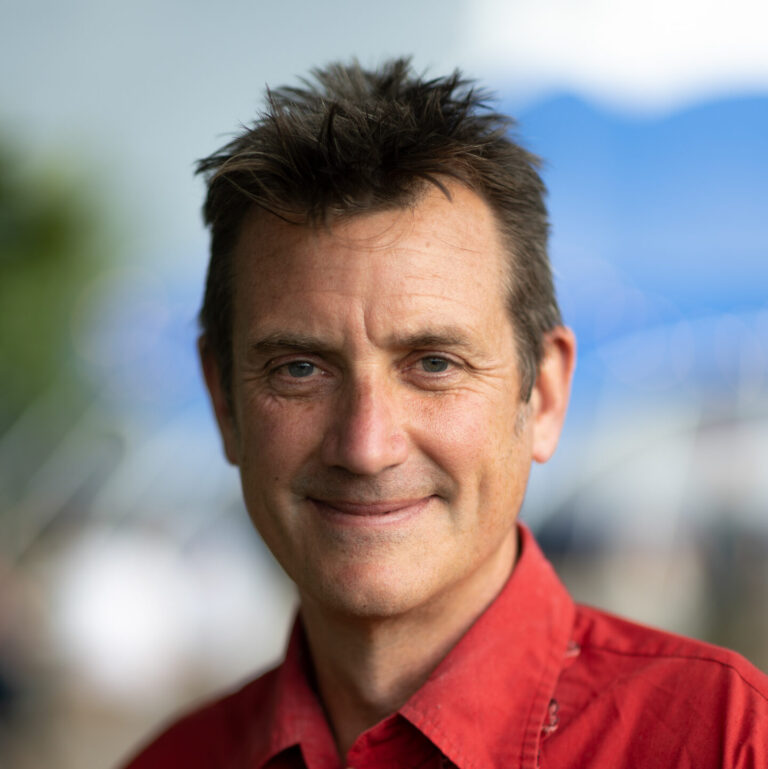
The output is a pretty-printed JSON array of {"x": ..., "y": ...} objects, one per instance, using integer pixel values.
[{"x": 386, "y": 359}]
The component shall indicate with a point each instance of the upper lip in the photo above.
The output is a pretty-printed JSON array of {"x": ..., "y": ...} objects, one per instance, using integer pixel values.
[{"x": 369, "y": 508}]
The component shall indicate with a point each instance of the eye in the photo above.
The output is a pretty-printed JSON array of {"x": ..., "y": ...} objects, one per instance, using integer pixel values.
[
  {"x": 433, "y": 364},
  {"x": 300, "y": 369},
  {"x": 299, "y": 377}
]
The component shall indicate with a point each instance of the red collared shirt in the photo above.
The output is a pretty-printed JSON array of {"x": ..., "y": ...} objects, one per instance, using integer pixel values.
[{"x": 536, "y": 681}]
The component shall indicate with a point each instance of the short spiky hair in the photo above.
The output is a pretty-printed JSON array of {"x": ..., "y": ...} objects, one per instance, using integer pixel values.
[{"x": 354, "y": 141}]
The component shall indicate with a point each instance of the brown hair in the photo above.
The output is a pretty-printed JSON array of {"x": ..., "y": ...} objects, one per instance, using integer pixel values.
[{"x": 355, "y": 141}]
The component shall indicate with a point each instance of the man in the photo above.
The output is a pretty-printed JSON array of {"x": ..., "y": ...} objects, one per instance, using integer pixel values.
[{"x": 385, "y": 359}]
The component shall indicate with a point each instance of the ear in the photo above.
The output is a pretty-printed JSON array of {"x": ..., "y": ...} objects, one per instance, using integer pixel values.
[
  {"x": 550, "y": 395},
  {"x": 221, "y": 404}
]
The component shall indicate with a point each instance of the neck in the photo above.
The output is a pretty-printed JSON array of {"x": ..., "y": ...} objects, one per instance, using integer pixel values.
[{"x": 368, "y": 667}]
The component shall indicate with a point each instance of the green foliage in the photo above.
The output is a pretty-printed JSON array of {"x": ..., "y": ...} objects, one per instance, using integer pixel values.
[{"x": 48, "y": 251}]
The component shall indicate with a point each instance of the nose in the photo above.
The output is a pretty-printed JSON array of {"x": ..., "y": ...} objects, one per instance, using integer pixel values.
[{"x": 367, "y": 434}]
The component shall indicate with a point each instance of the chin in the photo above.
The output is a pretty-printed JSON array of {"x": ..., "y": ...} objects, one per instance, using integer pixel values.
[{"x": 359, "y": 593}]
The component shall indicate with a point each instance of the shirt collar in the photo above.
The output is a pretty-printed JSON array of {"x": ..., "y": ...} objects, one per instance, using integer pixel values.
[
  {"x": 486, "y": 702},
  {"x": 296, "y": 717}
]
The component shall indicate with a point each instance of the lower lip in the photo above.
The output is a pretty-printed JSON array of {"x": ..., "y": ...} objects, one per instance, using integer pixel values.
[{"x": 374, "y": 516}]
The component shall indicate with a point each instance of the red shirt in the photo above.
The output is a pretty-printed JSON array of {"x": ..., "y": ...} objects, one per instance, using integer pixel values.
[{"x": 536, "y": 681}]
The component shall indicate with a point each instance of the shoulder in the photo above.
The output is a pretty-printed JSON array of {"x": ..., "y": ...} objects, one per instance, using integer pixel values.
[
  {"x": 638, "y": 696},
  {"x": 211, "y": 734},
  {"x": 631, "y": 648}
]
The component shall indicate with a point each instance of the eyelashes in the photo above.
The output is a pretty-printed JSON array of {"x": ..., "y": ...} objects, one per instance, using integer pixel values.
[{"x": 307, "y": 376}]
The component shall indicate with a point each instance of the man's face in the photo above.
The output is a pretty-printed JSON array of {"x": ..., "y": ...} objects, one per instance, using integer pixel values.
[{"x": 376, "y": 421}]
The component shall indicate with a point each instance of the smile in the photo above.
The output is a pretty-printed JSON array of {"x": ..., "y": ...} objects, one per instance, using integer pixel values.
[{"x": 370, "y": 511}]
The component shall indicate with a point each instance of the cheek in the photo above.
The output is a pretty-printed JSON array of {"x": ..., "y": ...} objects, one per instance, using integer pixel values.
[
  {"x": 277, "y": 436},
  {"x": 469, "y": 432},
  {"x": 481, "y": 444}
]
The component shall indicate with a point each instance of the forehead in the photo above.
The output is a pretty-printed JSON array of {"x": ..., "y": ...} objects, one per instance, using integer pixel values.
[{"x": 436, "y": 257}]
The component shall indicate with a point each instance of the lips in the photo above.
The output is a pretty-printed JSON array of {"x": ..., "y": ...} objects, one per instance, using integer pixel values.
[{"x": 368, "y": 509}]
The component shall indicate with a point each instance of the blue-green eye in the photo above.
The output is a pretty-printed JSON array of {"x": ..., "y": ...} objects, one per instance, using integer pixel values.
[
  {"x": 434, "y": 364},
  {"x": 300, "y": 368}
]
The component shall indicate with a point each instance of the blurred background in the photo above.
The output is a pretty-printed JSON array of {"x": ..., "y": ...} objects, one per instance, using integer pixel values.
[{"x": 130, "y": 581}]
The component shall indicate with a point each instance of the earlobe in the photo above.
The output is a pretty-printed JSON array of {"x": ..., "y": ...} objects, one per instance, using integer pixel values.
[
  {"x": 552, "y": 390},
  {"x": 221, "y": 404}
]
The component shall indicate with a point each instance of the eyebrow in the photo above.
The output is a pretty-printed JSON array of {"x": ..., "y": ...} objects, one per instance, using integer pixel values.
[
  {"x": 272, "y": 343},
  {"x": 447, "y": 336},
  {"x": 452, "y": 337}
]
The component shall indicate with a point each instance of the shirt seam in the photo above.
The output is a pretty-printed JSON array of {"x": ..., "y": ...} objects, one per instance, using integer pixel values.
[
  {"x": 693, "y": 657},
  {"x": 531, "y": 742}
]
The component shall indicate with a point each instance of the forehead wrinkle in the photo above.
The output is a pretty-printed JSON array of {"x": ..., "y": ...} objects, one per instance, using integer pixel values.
[
  {"x": 466, "y": 242},
  {"x": 478, "y": 303}
]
